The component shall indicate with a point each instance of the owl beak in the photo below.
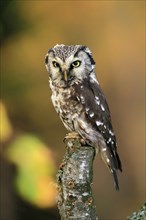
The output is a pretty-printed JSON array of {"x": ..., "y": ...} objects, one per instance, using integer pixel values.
[{"x": 65, "y": 76}]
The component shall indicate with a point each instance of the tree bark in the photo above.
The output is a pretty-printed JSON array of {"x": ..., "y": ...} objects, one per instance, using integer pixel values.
[
  {"x": 140, "y": 215},
  {"x": 75, "y": 175}
]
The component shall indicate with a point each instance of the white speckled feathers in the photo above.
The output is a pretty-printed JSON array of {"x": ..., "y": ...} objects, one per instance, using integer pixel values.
[{"x": 80, "y": 102}]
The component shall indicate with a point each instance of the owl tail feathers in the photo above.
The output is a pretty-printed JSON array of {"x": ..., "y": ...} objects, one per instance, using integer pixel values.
[
  {"x": 116, "y": 183},
  {"x": 113, "y": 162}
]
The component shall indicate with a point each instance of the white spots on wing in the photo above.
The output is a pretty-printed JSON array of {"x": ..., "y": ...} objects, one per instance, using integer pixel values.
[
  {"x": 111, "y": 132},
  {"x": 98, "y": 103},
  {"x": 82, "y": 99},
  {"x": 109, "y": 140},
  {"x": 81, "y": 86},
  {"x": 87, "y": 109},
  {"x": 97, "y": 100},
  {"x": 98, "y": 123},
  {"x": 103, "y": 109},
  {"x": 91, "y": 114},
  {"x": 104, "y": 126}
]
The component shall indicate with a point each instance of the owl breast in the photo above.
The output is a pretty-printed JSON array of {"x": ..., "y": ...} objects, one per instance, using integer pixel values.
[{"x": 66, "y": 105}]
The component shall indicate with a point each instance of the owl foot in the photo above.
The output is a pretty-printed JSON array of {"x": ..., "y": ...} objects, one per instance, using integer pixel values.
[
  {"x": 75, "y": 135},
  {"x": 72, "y": 135}
]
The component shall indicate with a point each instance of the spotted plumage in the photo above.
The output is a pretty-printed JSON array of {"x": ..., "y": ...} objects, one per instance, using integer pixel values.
[{"x": 80, "y": 102}]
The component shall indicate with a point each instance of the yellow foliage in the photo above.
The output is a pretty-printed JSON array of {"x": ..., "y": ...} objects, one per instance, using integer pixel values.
[
  {"x": 35, "y": 178},
  {"x": 5, "y": 125}
]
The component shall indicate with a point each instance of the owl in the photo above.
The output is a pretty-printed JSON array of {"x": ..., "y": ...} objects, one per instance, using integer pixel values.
[{"x": 80, "y": 102}]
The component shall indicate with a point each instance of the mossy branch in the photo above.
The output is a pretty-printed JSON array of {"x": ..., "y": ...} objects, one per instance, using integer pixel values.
[{"x": 75, "y": 200}]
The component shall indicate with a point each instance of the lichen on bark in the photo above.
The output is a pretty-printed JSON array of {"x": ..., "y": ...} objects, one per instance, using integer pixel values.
[
  {"x": 75, "y": 175},
  {"x": 140, "y": 215}
]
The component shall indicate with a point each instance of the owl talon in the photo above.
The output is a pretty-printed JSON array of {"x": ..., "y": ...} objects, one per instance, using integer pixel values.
[
  {"x": 83, "y": 142},
  {"x": 72, "y": 135}
]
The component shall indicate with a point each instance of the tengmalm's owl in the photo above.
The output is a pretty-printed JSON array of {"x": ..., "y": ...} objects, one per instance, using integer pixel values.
[{"x": 80, "y": 102}]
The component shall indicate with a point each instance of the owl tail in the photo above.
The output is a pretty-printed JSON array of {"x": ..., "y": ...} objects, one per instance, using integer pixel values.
[{"x": 112, "y": 161}]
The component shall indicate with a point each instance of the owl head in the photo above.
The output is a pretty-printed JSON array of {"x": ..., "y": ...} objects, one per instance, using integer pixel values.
[{"x": 69, "y": 64}]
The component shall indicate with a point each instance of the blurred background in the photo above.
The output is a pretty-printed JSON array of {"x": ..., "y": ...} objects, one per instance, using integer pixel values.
[{"x": 31, "y": 132}]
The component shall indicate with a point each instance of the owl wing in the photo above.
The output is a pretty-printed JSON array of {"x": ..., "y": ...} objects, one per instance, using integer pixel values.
[{"x": 98, "y": 115}]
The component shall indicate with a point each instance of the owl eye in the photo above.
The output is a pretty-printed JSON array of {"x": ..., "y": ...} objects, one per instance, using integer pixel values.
[
  {"x": 76, "y": 63},
  {"x": 55, "y": 64}
]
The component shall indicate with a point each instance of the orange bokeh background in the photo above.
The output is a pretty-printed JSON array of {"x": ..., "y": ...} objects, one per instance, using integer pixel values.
[{"x": 115, "y": 33}]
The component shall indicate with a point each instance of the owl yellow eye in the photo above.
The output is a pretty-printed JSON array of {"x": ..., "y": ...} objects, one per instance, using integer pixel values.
[
  {"x": 76, "y": 63},
  {"x": 55, "y": 64}
]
